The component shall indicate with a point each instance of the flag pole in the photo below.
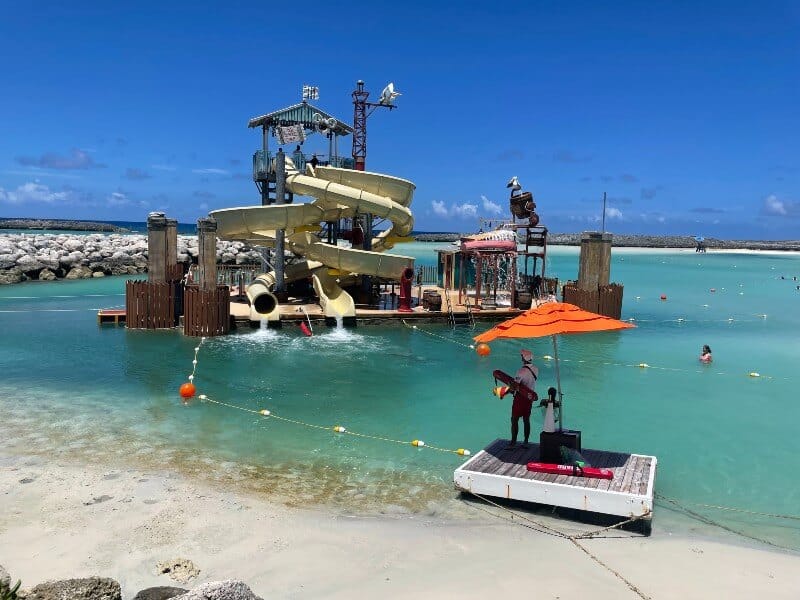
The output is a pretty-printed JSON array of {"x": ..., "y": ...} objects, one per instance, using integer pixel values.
[{"x": 558, "y": 385}]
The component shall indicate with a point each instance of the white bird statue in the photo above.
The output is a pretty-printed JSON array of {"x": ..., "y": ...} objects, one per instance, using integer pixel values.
[
  {"x": 514, "y": 184},
  {"x": 388, "y": 95}
]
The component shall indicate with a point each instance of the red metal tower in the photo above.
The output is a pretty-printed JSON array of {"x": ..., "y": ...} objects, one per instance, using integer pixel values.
[
  {"x": 360, "y": 115},
  {"x": 360, "y": 96}
]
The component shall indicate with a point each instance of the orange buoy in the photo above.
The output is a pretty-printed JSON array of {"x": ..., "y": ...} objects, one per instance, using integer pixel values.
[
  {"x": 483, "y": 350},
  {"x": 663, "y": 296},
  {"x": 187, "y": 390}
]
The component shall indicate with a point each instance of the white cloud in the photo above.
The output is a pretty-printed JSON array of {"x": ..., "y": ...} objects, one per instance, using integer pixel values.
[
  {"x": 457, "y": 211},
  {"x": 117, "y": 199},
  {"x": 613, "y": 213},
  {"x": 211, "y": 171},
  {"x": 203, "y": 206},
  {"x": 774, "y": 207},
  {"x": 491, "y": 207},
  {"x": 439, "y": 208},
  {"x": 163, "y": 167},
  {"x": 464, "y": 210},
  {"x": 32, "y": 192}
]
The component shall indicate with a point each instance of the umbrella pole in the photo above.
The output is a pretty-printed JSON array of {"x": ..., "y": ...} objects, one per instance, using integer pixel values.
[{"x": 558, "y": 385}]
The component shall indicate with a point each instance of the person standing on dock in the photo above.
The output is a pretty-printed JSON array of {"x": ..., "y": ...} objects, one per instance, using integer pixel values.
[{"x": 527, "y": 375}]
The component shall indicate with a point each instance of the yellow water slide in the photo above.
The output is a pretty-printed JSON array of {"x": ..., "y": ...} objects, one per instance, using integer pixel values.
[{"x": 338, "y": 193}]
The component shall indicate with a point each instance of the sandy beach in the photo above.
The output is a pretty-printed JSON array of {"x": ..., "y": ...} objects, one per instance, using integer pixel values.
[{"x": 60, "y": 521}]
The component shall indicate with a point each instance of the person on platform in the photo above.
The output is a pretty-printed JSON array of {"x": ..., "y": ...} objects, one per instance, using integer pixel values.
[
  {"x": 705, "y": 354},
  {"x": 527, "y": 375},
  {"x": 314, "y": 160}
]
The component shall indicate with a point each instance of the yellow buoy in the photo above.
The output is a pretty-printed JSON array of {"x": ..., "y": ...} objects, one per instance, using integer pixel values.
[
  {"x": 643, "y": 365},
  {"x": 264, "y": 412},
  {"x": 339, "y": 429},
  {"x": 754, "y": 374},
  {"x": 418, "y": 443},
  {"x": 463, "y": 452}
]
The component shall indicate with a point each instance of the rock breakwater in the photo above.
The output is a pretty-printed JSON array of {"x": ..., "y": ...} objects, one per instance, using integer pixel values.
[
  {"x": 58, "y": 224},
  {"x": 45, "y": 257}
]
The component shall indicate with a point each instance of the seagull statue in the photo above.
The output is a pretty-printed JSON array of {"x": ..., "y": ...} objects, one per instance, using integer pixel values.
[
  {"x": 388, "y": 95},
  {"x": 514, "y": 184}
]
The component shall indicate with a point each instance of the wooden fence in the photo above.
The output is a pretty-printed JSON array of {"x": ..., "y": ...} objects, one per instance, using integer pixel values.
[
  {"x": 207, "y": 312},
  {"x": 150, "y": 305},
  {"x": 606, "y": 300}
]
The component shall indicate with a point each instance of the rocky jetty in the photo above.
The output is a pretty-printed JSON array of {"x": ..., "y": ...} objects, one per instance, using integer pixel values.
[
  {"x": 642, "y": 241},
  {"x": 58, "y": 225},
  {"x": 45, "y": 257}
]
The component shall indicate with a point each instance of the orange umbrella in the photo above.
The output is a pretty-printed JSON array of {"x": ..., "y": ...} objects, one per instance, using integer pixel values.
[{"x": 552, "y": 319}]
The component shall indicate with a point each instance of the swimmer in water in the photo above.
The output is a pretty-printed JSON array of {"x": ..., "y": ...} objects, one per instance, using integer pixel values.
[{"x": 705, "y": 354}]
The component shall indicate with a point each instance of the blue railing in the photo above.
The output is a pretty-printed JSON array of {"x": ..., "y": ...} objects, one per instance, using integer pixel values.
[{"x": 262, "y": 163}]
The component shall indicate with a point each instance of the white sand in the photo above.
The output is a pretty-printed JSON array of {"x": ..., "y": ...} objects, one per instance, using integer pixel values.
[{"x": 48, "y": 531}]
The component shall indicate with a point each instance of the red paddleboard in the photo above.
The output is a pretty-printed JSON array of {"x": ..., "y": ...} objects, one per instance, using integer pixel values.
[
  {"x": 573, "y": 470},
  {"x": 304, "y": 328},
  {"x": 516, "y": 387}
]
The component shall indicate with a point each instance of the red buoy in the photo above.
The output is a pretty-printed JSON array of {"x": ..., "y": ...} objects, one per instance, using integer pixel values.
[{"x": 187, "y": 390}]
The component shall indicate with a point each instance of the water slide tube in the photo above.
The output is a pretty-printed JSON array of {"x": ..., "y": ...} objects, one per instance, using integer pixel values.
[{"x": 338, "y": 193}]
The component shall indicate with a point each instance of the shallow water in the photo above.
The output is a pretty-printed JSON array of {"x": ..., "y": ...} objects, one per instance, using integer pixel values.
[{"x": 80, "y": 392}]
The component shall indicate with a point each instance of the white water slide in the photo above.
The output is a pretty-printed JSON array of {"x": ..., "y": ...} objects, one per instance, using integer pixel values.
[{"x": 338, "y": 193}]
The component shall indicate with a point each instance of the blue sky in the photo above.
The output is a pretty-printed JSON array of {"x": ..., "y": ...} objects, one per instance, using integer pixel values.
[{"x": 685, "y": 113}]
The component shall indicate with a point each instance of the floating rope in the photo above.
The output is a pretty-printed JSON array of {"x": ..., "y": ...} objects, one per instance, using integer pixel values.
[
  {"x": 436, "y": 335},
  {"x": 335, "y": 428},
  {"x": 752, "y": 374}
]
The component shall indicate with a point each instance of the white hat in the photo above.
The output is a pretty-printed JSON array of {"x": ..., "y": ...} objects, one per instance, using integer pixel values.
[{"x": 526, "y": 355}]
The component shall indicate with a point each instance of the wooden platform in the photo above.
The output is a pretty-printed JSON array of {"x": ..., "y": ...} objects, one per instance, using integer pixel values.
[
  {"x": 501, "y": 473},
  {"x": 111, "y": 315}
]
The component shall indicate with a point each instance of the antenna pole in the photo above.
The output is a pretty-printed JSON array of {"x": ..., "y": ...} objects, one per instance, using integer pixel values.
[{"x": 604, "y": 212}]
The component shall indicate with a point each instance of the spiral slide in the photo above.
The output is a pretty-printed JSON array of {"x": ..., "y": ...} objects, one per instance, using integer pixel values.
[{"x": 338, "y": 193}]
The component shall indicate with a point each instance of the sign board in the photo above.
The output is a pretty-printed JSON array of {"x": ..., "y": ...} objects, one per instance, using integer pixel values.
[{"x": 291, "y": 134}]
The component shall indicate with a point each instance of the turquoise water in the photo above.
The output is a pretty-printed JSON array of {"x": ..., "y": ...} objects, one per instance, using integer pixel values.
[{"x": 107, "y": 395}]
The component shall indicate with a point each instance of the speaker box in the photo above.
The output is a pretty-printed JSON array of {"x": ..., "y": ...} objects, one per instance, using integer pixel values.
[{"x": 550, "y": 444}]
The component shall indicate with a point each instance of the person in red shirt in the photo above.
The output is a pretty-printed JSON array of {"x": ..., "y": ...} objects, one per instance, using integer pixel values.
[{"x": 521, "y": 407}]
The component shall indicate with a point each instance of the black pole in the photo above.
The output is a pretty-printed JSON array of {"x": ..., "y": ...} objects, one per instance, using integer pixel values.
[{"x": 604, "y": 212}]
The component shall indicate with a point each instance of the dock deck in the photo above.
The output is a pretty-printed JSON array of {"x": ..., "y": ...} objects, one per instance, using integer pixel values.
[{"x": 501, "y": 473}]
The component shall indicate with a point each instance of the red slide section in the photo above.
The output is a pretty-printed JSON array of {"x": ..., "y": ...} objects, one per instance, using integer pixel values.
[
  {"x": 573, "y": 470},
  {"x": 405, "y": 290}
]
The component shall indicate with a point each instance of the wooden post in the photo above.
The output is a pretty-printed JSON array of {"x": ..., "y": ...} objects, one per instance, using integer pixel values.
[
  {"x": 171, "y": 242},
  {"x": 156, "y": 247},
  {"x": 595, "y": 261},
  {"x": 207, "y": 253}
]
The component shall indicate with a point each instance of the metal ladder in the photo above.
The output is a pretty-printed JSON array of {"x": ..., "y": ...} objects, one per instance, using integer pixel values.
[{"x": 451, "y": 315}]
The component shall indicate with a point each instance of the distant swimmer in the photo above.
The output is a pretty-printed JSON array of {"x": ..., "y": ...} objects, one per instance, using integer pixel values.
[{"x": 705, "y": 354}]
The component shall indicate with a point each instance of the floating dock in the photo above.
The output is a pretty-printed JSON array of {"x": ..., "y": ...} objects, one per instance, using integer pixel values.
[
  {"x": 111, "y": 315},
  {"x": 502, "y": 473}
]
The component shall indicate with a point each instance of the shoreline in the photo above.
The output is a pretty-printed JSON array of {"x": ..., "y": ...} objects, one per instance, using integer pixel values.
[{"x": 63, "y": 521}]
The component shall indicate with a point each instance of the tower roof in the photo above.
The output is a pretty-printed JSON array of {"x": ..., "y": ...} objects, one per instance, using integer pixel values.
[{"x": 299, "y": 114}]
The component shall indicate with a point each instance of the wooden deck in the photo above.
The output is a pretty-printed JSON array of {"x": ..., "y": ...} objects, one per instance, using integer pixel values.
[
  {"x": 111, "y": 315},
  {"x": 496, "y": 471}
]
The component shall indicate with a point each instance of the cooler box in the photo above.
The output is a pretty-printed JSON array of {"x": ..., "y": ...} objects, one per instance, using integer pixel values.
[{"x": 550, "y": 443}]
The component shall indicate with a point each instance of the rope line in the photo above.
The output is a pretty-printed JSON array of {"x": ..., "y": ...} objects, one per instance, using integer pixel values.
[
  {"x": 336, "y": 428},
  {"x": 683, "y": 508},
  {"x": 436, "y": 335},
  {"x": 732, "y": 509},
  {"x": 751, "y": 374},
  {"x": 574, "y": 539}
]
